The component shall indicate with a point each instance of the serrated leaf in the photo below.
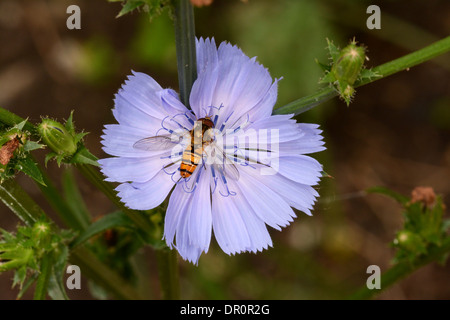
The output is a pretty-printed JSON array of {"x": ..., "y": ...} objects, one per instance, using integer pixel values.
[
  {"x": 328, "y": 78},
  {"x": 59, "y": 159},
  {"x": 32, "y": 145},
  {"x": 368, "y": 74},
  {"x": 69, "y": 124},
  {"x": 129, "y": 6},
  {"x": 83, "y": 156},
  {"x": 49, "y": 156},
  {"x": 324, "y": 67},
  {"x": 19, "y": 276},
  {"x": 27, "y": 285},
  {"x": 56, "y": 286},
  {"x": 333, "y": 50},
  {"x": 80, "y": 136},
  {"x": 21, "y": 125},
  {"x": 30, "y": 168}
]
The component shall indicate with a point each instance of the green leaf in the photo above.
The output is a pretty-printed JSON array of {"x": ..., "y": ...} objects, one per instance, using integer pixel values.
[
  {"x": 333, "y": 50},
  {"x": 390, "y": 193},
  {"x": 19, "y": 202},
  {"x": 69, "y": 124},
  {"x": 368, "y": 75},
  {"x": 56, "y": 285},
  {"x": 48, "y": 157},
  {"x": 75, "y": 201},
  {"x": 83, "y": 156},
  {"x": 32, "y": 145},
  {"x": 27, "y": 284},
  {"x": 30, "y": 168},
  {"x": 113, "y": 220},
  {"x": 21, "y": 125},
  {"x": 129, "y": 6}
]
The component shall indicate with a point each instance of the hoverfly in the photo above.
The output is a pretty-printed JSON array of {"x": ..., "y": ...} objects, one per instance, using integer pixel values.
[{"x": 201, "y": 136}]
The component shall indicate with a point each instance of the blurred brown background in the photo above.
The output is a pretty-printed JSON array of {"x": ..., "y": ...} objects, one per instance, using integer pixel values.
[{"x": 394, "y": 134}]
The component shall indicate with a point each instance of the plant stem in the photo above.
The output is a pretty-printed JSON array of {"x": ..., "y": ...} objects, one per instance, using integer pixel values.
[
  {"x": 29, "y": 212},
  {"x": 103, "y": 275},
  {"x": 19, "y": 202},
  {"x": 404, "y": 63},
  {"x": 185, "y": 44},
  {"x": 42, "y": 282},
  {"x": 11, "y": 119},
  {"x": 57, "y": 202},
  {"x": 187, "y": 74},
  {"x": 168, "y": 274},
  {"x": 403, "y": 269},
  {"x": 138, "y": 217}
]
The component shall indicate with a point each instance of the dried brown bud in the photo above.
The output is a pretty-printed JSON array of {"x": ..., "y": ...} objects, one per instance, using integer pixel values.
[
  {"x": 425, "y": 195},
  {"x": 7, "y": 150},
  {"x": 201, "y": 3}
]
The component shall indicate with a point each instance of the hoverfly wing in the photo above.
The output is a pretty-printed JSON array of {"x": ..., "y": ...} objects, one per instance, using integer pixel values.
[{"x": 156, "y": 143}]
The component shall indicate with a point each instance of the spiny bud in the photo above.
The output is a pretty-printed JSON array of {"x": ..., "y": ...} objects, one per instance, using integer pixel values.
[
  {"x": 409, "y": 241},
  {"x": 349, "y": 64},
  {"x": 347, "y": 68},
  {"x": 41, "y": 232},
  {"x": 56, "y": 136}
]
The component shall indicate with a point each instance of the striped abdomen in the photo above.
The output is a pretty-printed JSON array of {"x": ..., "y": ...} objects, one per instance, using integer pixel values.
[{"x": 190, "y": 159}]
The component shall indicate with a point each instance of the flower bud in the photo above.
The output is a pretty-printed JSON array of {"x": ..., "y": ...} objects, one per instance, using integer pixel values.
[
  {"x": 349, "y": 64},
  {"x": 409, "y": 241},
  {"x": 56, "y": 136},
  {"x": 41, "y": 232}
]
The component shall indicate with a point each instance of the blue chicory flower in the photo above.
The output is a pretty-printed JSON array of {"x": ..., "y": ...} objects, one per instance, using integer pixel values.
[{"x": 248, "y": 170}]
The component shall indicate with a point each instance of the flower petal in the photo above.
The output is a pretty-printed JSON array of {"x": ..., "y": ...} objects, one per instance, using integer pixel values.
[
  {"x": 256, "y": 228},
  {"x": 207, "y": 68},
  {"x": 147, "y": 195},
  {"x": 297, "y": 195},
  {"x": 118, "y": 140},
  {"x": 268, "y": 205},
  {"x": 242, "y": 83},
  {"x": 188, "y": 219},
  {"x": 123, "y": 169},
  {"x": 229, "y": 227}
]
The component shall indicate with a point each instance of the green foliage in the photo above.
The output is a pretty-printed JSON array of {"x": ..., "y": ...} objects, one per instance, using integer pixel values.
[
  {"x": 65, "y": 143},
  {"x": 36, "y": 253},
  {"x": 15, "y": 148},
  {"x": 424, "y": 227},
  {"x": 153, "y": 7},
  {"x": 345, "y": 69}
]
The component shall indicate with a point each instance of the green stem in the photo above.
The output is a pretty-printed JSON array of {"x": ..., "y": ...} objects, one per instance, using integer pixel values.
[
  {"x": 28, "y": 211},
  {"x": 42, "y": 282},
  {"x": 168, "y": 274},
  {"x": 102, "y": 274},
  {"x": 187, "y": 73},
  {"x": 401, "y": 270},
  {"x": 404, "y": 63},
  {"x": 185, "y": 44},
  {"x": 138, "y": 217},
  {"x": 19, "y": 202},
  {"x": 11, "y": 119},
  {"x": 58, "y": 204}
]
